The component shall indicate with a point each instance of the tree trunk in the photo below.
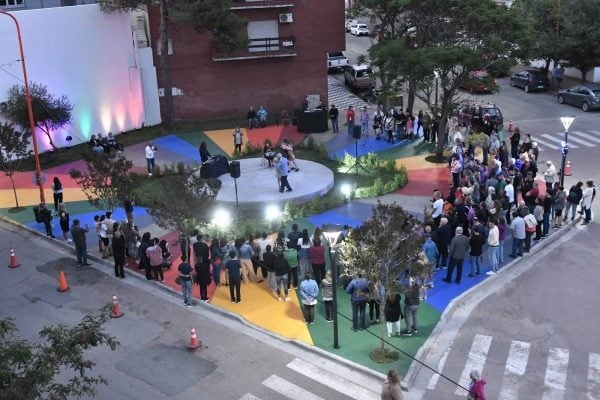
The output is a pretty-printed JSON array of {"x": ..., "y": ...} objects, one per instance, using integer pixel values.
[
  {"x": 12, "y": 182},
  {"x": 439, "y": 150},
  {"x": 583, "y": 76},
  {"x": 411, "y": 95},
  {"x": 50, "y": 141},
  {"x": 164, "y": 65}
]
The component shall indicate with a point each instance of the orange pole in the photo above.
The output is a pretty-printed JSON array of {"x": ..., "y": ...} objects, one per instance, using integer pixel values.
[{"x": 36, "y": 155}]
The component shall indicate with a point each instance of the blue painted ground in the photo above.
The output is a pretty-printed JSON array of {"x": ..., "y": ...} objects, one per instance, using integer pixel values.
[
  {"x": 365, "y": 146},
  {"x": 177, "y": 145}
]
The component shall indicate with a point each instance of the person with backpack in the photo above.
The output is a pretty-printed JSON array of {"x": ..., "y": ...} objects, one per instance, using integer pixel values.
[
  {"x": 586, "y": 201},
  {"x": 573, "y": 199}
]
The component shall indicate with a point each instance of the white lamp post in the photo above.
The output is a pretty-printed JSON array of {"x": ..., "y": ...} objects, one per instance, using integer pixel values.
[
  {"x": 332, "y": 233},
  {"x": 566, "y": 122}
]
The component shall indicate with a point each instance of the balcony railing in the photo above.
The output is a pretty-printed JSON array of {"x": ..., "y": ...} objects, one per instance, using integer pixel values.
[
  {"x": 253, "y": 4},
  {"x": 270, "y": 47}
]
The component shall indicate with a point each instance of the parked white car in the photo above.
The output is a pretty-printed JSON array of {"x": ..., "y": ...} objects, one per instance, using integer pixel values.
[
  {"x": 360, "y": 30},
  {"x": 350, "y": 23}
]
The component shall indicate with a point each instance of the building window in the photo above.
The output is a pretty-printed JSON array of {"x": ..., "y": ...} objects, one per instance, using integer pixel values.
[
  {"x": 263, "y": 35},
  {"x": 12, "y": 3}
]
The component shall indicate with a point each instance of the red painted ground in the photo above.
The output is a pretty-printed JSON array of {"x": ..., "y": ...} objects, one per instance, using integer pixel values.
[{"x": 422, "y": 182}]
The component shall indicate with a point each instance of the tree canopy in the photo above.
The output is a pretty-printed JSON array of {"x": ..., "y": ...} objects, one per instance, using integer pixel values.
[
  {"x": 49, "y": 112},
  {"x": 14, "y": 148}
]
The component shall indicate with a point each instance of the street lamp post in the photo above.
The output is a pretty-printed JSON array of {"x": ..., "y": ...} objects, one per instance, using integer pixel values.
[
  {"x": 38, "y": 168},
  {"x": 332, "y": 233},
  {"x": 437, "y": 80},
  {"x": 566, "y": 122}
]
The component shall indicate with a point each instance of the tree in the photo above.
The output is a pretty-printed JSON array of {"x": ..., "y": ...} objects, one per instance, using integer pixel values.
[
  {"x": 49, "y": 112},
  {"x": 383, "y": 248},
  {"x": 28, "y": 369},
  {"x": 14, "y": 148},
  {"x": 183, "y": 203},
  {"x": 107, "y": 180}
]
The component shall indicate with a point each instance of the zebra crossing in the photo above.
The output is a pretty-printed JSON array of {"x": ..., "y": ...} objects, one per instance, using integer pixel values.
[
  {"x": 577, "y": 139},
  {"x": 514, "y": 379},
  {"x": 344, "y": 387},
  {"x": 342, "y": 97}
]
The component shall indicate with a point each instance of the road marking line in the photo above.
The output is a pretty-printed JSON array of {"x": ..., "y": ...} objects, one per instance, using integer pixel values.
[
  {"x": 556, "y": 374},
  {"x": 594, "y": 377},
  {"x": 587, "y": 136},
  {"x": 594, "y": 132},
  {"x": 288, "y": 389},
  {"x": 332, "y": 381},
  {"x": 249, "y": 396},
  {"x": 440, "y": 367},
  {"x": 550, "y": 145},
  {"x": 516, "y": 364},
  {"x": 558, "y": 140},
  {"x": 476, "y": 361},
  {"x": 573, "y": 138}
]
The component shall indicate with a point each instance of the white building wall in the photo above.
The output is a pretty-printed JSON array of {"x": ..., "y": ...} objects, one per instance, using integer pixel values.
[{"x": 88, "y": 56}]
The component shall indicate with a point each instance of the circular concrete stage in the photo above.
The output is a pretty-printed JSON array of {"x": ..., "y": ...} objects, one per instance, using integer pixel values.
[{"x": 257, "y": 185}]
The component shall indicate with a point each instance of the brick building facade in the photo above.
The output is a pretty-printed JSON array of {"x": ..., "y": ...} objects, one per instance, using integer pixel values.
[{"x": 277, "y": 73}]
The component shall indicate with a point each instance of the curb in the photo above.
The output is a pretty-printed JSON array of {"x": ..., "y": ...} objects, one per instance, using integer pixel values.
[
  {"x": 461, "y": 307},
  {"x": 216, "y": 311}
]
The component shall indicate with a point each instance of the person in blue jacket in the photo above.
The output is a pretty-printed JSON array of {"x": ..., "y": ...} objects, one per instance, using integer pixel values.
[{"x": 309, "y": 291}]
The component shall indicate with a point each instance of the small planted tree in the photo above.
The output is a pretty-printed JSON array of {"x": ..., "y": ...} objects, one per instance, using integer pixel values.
[
  {"x": 49, "y": 112},
  {"x": 107, "y": 180},
  {"x": 13, "y": 149},
  {"x": 28, "y": 369},
  {"x": 385, "y": 249}
]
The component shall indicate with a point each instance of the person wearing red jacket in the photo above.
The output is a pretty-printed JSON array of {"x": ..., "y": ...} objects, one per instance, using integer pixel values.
[{"x": 476, "y": 387}]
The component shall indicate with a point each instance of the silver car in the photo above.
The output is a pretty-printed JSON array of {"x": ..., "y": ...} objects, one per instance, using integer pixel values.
[{"x": 586, "y": 96}]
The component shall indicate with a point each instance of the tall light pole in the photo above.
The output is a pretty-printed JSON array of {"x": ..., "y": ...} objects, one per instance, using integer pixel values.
[
  {"x": 36, "y": 156},
  {"x": 436, "y": 74},
  {"x": 566, "y": 122},
  {"x": 332, "y": 232}
]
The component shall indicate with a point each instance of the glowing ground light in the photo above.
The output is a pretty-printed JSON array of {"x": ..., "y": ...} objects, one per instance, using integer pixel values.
[
  {"x": 272, "y": 212},
  {"x": 222, "y": 218},
  {"x": 346, "y": 189}
]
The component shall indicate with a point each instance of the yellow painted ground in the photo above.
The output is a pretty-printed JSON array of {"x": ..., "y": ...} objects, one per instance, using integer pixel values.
[
  {"x": 417, "y": 162},
  {"x": 31, "y": 197},
  {"x": 259, "y": 305},
  {"x": 224, "y": 139}
]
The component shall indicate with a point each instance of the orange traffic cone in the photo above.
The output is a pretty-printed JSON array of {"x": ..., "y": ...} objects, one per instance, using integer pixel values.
[
  {"x": 13, "y": 260},
  {"x": 194, "y": 342},
  {"x": 568, "y": 169},
  {"x": 510, "y": 126},
  {"x": 63, "y": 286},
  {"x": 116, "y": 311}
]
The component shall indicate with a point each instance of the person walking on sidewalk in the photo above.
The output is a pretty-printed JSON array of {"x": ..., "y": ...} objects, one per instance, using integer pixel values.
[
  {"x": 333, "y": 116},
  {"x": 80, "y": 241},
  {"x": 309, "y": 291},
  {"x": 391, "y": 389},
  {"x": 459, "y": 245},
  {"x": 411, "y": 308},
  {"x": 185, "y": 273},
  {"x": 57, "y": 193},
  {"x": 358, "y": 288},
  {"x": 586, "y": 201},
  {"x": 150, "y": 149}
]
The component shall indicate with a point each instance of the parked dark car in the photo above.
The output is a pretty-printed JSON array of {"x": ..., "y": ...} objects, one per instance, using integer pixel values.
[
  {"x": 479, "y": 82},
  {"x": 586, "y": 96},
  {"x": 530, "y": 80},
  {"x": 481, "y": 115}
]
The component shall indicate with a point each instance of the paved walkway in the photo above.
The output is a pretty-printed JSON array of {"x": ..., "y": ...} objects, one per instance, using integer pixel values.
[{"x": 259, "y": 305}]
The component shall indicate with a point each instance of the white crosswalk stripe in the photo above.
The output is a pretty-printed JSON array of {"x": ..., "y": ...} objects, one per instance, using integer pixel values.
[
  {"x": 516, "y": 364},
  {"x": 587, "y": 136},
  {"x": 572, "y": 138},
  {"x": 552, "y": 141},
  {"x": 249, "y": 396},
  {"x": 558, "y": 140},
  {"x": 288, "y": 389},
  {"x": 476, "y": 361},
  {"x": 594, "y": 377},
  {"x": 440, "y": 367},
  {"x": 333, "y": 381},
  {"x": 555, "y": 380},
  {"x": 549, "y": 145}
]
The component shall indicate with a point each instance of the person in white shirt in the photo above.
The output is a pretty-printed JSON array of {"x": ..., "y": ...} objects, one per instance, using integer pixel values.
[
  {"x": 549, "y": 175},
  {"x": 509, "y": 189},
  {"x": 437, "y": 208},
  {"x": 150, "y": 150},
  {"x": 493, "y": 245}
]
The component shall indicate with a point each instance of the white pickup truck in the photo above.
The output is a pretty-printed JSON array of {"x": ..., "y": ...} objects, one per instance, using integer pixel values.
[{"x": 336, "y": 61}]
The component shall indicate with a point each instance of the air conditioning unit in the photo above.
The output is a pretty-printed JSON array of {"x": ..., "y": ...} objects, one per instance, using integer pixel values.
[{"x": 286, "y": 18}]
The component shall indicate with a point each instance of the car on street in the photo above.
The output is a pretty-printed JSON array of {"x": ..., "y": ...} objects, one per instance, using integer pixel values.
[
  {"x": 479, "y": 82},
  {"x": 586, "y": 96},
  {"x": 530, "y": 80},
  {"x": 359, "y": 77},
  {"x": 336, "y": 61},
  {"x": 481, "y": 115},
  {"x": 360, "y": 30},
  {"x": 350, "y": 23}
]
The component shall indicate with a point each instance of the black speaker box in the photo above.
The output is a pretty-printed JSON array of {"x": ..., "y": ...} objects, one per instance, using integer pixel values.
[
  {"x": 234, "y": 169},
  {"x": 356, "y": 131}
]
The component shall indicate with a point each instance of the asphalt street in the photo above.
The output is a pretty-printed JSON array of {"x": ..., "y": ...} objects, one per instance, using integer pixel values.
[{"x": 235, "y": 361}]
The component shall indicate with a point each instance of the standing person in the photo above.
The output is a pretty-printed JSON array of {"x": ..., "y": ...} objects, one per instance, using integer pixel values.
[
  {"x": 547, "y": 204},
  {"x": 432, "y": 254},
  {"x": 393, "y": 313},
  {"x": 437, "y": 208},
  {"x": 119, "y": 248},
  {"x": 515, "y": 138},
  {"x": 358, "y": 288},
  {"x": 288, "y": 149},
  {"x": 327, "y": 295},
  {"x": 201, "y": 250},
  {"x": 202, "y": 270},
  {"x": 64, "y": 221},
  {"x": 46, "y": 218},
  {"x": 204, "y": 153},
  {"x": 476, "y": 242},
  {"x": 245, "y": 253},
  {"x": 333, "y": 117},
  {"x": 560, "y": 199},
  {"x": 185, "y": 272},
  {"x": 517, "y": 228},
  {"x": 375, "y": 294},
  {"x": 304, "y": 245},
  {"x": 251, "y": 117},
  {"x": 531, "y": 225},
  {"x": 411, "y": 308},
  {"x": 476, "y": 386},
  {"x": 128, "y": 205},
  {"x": 79, "y": 239},
  {"x": 364, "y": 122},
  {"x": 317, "y": 259},
  {"x": 309, "y": 291},
  {"x": 268, "y": 263},
  {"x": 586, "y": 201},
  {"x": 350, "y": 120},
  {"x": 549, "y": 175},
  {"x": 234, "y": 266},
  {"x": 388, "y": 125},
  {"x": 261, "y": 114},
  {"x": 154, "y": 253},
  {"x": 493, "y": 241},
  {"x": 150, "y": 149},
  {"x": 378, "y": 122},
  {"x": 459, "y": 245},
  {"x": 391, "y": 389},
  {"x": 573, "y": 199},
  {"x": 238, "y": 139},
  {"x": 104, "y": 236},
  {"x": 443, "y": 236},
  {"x": 281, "y": 270},
  {"x": 283, "y": 170},
  {"x": 57, "y": 193}
]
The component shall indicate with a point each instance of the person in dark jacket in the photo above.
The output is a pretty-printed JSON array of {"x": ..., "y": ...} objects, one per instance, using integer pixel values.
[
  {"x": 411, "y": 307},
  {"x": 144, "y": 262},
  {"x": 79, "y": 239},
  {"x": 203, "y": 278},
  {"x": 358, "y": 288},
  {"x": 46, "y": 218},
  {"x": 457, "y": 252},
  {"x": 573, "y": 198},
  {"x": 118, "y": 247},
  {"x": 442, "y": 240},
  {"x": 281, "y": 269},
  {"x": 234, "y": 266},
  {"x": 393, "y": 313},
  {"x": 476, "y": 242}
]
